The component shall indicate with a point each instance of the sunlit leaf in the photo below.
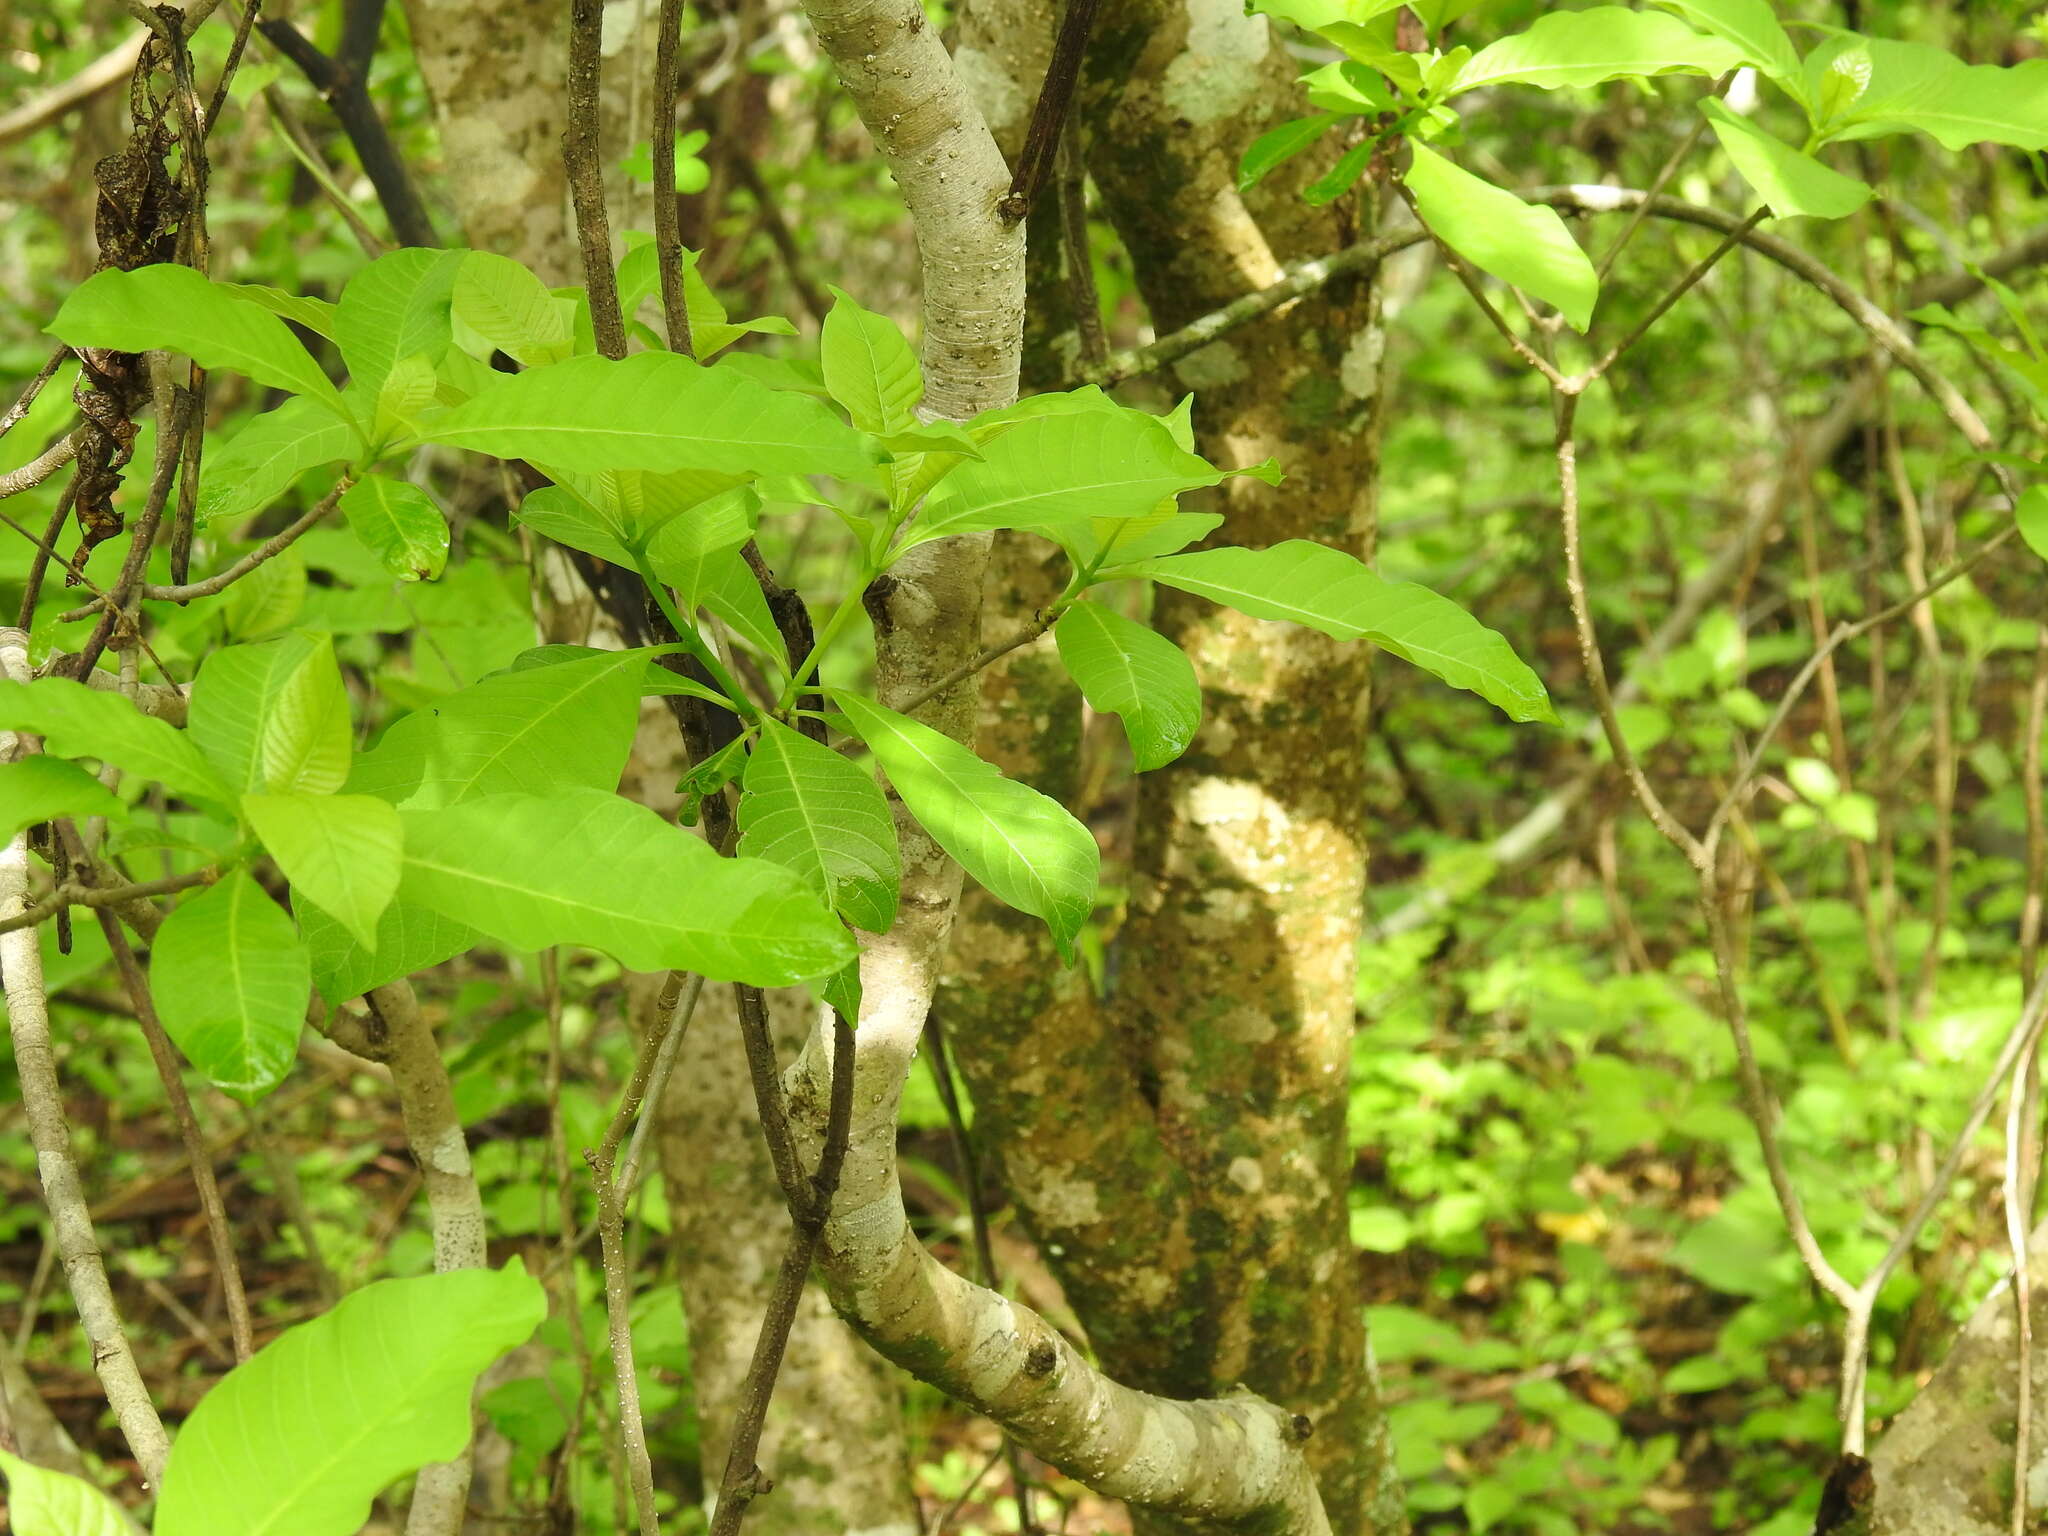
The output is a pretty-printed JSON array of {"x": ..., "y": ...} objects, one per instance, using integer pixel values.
[
  {"x": 1134, "y": 673},
  {"x": 809, "y": 809},
  {"x": 1497, "y": 232},
  {"x": 230, "y": 979}
]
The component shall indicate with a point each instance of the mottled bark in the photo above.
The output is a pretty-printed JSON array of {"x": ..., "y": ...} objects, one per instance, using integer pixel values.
[
  {"x": 833, "y": 1443},
  {"x": 1215, "y": 1077},
  {"x": 495, "y": 71},
  {"x": 1944, "y": 1468}
]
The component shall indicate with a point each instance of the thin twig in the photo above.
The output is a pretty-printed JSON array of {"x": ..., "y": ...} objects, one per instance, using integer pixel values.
[
  {"x": 742, "y": 1481},
  {"x": 1048, "y": 118},
  {"x": 75, "y": 894},
  {"x": 170, "y": 1072},
  {"x": 662, "y": 149},
  {"x": 586, "y": 176},
  {"x": 44, "y": 465},
  {"x": 42, "y": 1099},
  {"x": 14, "y": 414}
]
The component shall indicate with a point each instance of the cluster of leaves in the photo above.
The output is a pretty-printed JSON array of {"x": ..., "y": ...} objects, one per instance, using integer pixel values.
[
  {"x": 1848, "y": 87},
  {"x": 494, "y": 814}
]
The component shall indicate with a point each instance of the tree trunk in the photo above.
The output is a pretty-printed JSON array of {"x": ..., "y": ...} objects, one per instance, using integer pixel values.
[
  {"x": 833, "y": 1443},
  {"x": 1214, "y": 1076}
]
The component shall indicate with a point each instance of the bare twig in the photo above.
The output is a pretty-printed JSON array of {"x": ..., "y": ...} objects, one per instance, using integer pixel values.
[
  {"x": 170, "y": 1072},
  {"x": 74, "y": 894},
  {"x": 586, "y": 177},
  {"x": 42, "y": 1101},
  {"x": 44, "y": 465},
  {"x": 1048, "y": 118},
  {"x": 662, "y": 148}
]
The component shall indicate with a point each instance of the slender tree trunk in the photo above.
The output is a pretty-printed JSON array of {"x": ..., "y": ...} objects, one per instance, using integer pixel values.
[
  {"x": 833, "y": 1444},
  {"x": 1214, "y": 1076}
]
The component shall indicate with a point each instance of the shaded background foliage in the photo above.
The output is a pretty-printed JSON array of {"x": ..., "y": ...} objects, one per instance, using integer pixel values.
[{"x": 1581, "y": 1295}]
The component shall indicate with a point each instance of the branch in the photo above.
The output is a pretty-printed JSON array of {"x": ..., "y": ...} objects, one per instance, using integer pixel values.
[
  {"x": 109, "y": 69},
  {"x": 42, "y": 1099},
  {"x": 71, "y": 894},
  {"x": 586, "y": 176},
  {"x": 433, "y": 1129},
  {"x": 344, "y": 83},
  {"x": 44, "y": 465},
  {"x": 1048, "y": 119},
  {"x": 171, "y": 1073}
]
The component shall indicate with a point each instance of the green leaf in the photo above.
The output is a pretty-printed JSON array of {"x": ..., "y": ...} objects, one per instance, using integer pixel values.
[
  {"x": 400, "y": 522},
  {"x": 316, "y": 315},
  {"x": 1328, "y": 590},
  {"x": 510, "y": 308},
  {"x": 683, "y": 553},
  {"x": 303, "y": 743},
  {"x": 77, "y": 721},
  {"x": 1349, "y": 88},
  {"x": 267, "y": 599},
  {"x": 1605, "y": 42},
  {"x": 43, "y": 788},
  {"x": 1342, "y": 176},
  {"x": 730, "y": 592},
  {"x": 1488, "y": 1502},
  {"x": 1497, "y": 232},
  {"x": 1792, "y": 183},
  {"x": 179, "y": 310},
  {"x": 395, "y": 307},
  {"x": 236, "y": 699},
  {"x": 587, "y": 867},
  {"x": 1134, "y": 538},
  {"x": 533, "y": 731},
  {"x": 655, "y": 411},
  {"x": 2032, "y": 515},
  {"x": 1135, "y": 673},
  {"x": 407, "y": 390},
  {"x": 1026, "y": 849},
  {"x": 1277, "y": 146},
  {"x": 557, "y": 512},
  {"x": 45, "y": 1503},
  {"x": 869, "y": 367},
  {"x": 231, "y": 979},
  {"x": 410, "y": 938},
  {"x": 1063, "y": 468},
  {"x": 297, "y": 1440},
  {"x": 340, "y": 852},
  {"x": 1914, "y": 87},
  {"x": 808, "y": 809},
  {"x": 1751, "y": 26},
  {"x": 265, "y": 458}
]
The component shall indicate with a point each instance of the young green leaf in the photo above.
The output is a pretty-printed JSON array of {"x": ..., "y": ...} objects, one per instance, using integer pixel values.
[
  {"x": 409, "y": 938},
  {"x": 808, "y": 809},
  {"x": 1119, "y": 539},
  {"x": 534, "y": 731},
  {"x": 1341, "y": 177},
  {"x": 1136, "y": 674},
  {"x": 316, "y": 315},
  {"x": 42, "y": 788},
  {"x": 267, "y": 599},
  {"x": 1497, "y": 232},
  {"x": 1061, "y": 468},
  {"x": 1752, "y": 27},
  {"x": 77, "y": 721},
  {"x": 230, "y": 979},
  {"x": 1605, "y": 42},
  {"x": 653, "y": 410},
  {"x": 1917, "y": 88},
  {"x": 1276, "y": 146},
  {"x": 177, "y": 309},
  {"x": 1347, "y": 87},
  {"x": 400, "y": 522},
  {"x": 586, "y": 523},
  {"x": 587, "y": 867},
  {"x": 1328, "y": 590},
  {"x": 340, "y": 852},
  {"x": 2032, "y": 516},
  {"x": 728, "y": 590},
  {"x": 41, "y": 1502},
  {"x": 262, "y": 461},
  {"x": 1026, "y": 849},
  {"x": 1792, "y": 183},
  {"x": 303, "y": 746},
  {"x": 237, "y": 698},
  {"x": 510, "y": 308},
  {"x": 395, "y": 307},
  {"x": 870, "y": 368},
  {"x": 394, "y": 1365}
]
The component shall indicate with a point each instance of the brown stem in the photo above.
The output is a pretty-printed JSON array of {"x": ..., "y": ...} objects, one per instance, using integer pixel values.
[
  {"x": 662, "y": 148},
  {"x": 580, "y": 155},
  {"x": 170, "y": 1071},
  {"x": 1049, "y": 116},
  {"x": 72, "y": 894},
  {"x": 742, "y": 1481}
]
